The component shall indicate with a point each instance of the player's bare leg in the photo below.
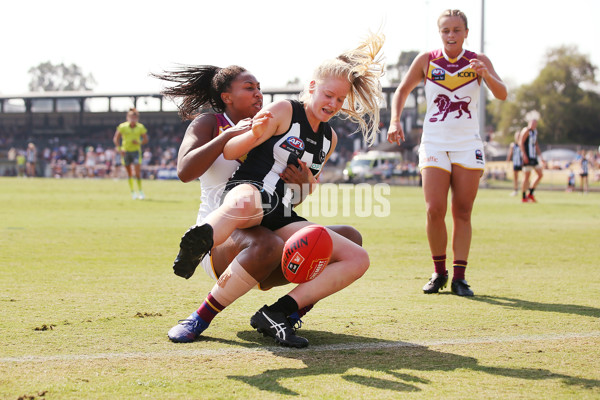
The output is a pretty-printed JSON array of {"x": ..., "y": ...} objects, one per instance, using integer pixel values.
[
  {"x": 276, "y": 277},
  {"x": 436, "y": 184},
  {"x": 539, "y": 172},
  {"x": 348, "y": 262},
  {"x": 525, "y": 185},
  {"x": 138, "y": 177},
  {"x": 246, "y": 257},
  {"x": 465, "y": 184},
  {"x": 241, "y": 209},
  {"x": 129, "y": 169}
]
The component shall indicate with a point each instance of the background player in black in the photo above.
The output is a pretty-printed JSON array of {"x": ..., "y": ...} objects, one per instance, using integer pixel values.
[
  {"x": 584, "y": 162},
  {"x": 532, "y": 160},
  {"x": 516, "y": 159}
]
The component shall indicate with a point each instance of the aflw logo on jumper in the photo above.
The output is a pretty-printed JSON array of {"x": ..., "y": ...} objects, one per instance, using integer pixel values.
[
  {"x": 294, "y": 145},
  {"x": 438, "y": 74}
]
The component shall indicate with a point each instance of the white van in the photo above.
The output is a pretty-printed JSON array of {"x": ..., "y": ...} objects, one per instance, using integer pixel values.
[{"x": 371, "y": 165}]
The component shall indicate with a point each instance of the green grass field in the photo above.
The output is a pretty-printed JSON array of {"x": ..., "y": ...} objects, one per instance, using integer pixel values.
[{"x": 88, "y": 295}]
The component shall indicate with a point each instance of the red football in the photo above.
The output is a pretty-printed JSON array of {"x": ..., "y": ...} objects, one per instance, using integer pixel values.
[{"x": 306, "y": 254}]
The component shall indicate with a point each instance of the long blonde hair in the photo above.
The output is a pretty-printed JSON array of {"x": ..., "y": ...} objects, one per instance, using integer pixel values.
[{"x": 363, "y": 67}]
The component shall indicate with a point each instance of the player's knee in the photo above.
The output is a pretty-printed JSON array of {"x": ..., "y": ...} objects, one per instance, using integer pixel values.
[
  {"x": 355, "y": 236},
  {"x": 242, "y": 205},
  {"x": 360, "y": 262},
  {"x": 261, "y": 256},
  {"x": 267, "y": 248},
  {"x": 462, "y": 211},
  {"x": 461, "y": 214},
  {"x": 435, "y": 211},
  {"x": 270, "y": 248},
  {"x": 364, "y": 262},
  {"x": 349, "y": 233}
]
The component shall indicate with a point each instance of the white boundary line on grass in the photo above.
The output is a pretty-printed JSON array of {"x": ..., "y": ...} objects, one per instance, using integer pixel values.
[{"x": 315, "y": 348}]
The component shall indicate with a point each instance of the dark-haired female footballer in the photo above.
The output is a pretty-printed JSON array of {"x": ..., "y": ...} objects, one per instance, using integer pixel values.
[
  {"x": 451, "y": 152},
  {"x": 283, "y": 133},
  {"x": 249, "y": 257}
]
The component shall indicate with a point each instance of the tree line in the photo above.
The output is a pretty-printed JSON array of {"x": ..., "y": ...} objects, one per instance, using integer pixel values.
[{"x": 565, "y": 93}]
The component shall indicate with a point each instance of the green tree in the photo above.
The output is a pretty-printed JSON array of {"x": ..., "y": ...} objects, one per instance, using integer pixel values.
[
  {"x": 47, "y": 77},
  {"x": 565, "y": 94}
]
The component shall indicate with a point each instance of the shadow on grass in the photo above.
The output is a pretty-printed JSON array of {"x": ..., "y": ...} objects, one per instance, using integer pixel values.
[
  {"x": 535, "y": 306},
  {"x": 347, "y": 356}
]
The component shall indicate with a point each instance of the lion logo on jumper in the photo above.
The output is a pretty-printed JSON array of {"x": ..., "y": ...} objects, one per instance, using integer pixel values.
[{"x": 445, "y": 106}]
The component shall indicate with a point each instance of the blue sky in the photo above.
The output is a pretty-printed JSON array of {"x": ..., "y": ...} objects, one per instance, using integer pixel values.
[{"x": 121, "y": 42}]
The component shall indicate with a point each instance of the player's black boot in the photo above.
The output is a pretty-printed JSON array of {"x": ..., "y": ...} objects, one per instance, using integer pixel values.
[
  {"x": 276, "y": 325},
  {"x": 194, "y": 245},
  {"x": 436, "y": 283},
  {"x": 461, "y": 287}
]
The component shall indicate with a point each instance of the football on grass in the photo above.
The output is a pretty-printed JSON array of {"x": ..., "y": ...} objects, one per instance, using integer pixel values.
[{"x": 306, "y": 254}]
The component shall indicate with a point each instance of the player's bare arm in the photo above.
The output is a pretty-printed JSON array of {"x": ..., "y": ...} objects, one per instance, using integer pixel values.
[
  {"x": 416, "y": 73},
  {"x": 117, "y": 141},
  {"x": 198, "y": 150},
  {"x": 484, "y": 68},
  {"x": 268, "y": 122}
]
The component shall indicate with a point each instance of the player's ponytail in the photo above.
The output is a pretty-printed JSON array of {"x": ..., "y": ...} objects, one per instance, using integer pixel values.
[
  {"x": 366, "y": 96},
  {"x": 199, "y": 86},
  {"x": 363, "y": 67}
]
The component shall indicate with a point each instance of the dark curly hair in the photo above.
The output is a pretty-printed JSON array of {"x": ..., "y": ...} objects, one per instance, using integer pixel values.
[{"x": 199, "y": 86}]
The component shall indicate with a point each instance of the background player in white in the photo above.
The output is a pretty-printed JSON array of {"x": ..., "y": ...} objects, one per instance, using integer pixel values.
[{"x": 451, "y": 151}]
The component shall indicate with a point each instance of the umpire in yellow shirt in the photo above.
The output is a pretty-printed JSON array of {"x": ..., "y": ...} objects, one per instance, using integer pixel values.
[{"x": 129, "y": 138}]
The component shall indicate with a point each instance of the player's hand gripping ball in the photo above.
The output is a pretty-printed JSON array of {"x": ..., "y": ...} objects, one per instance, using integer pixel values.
[{"x": 306, "y": 254}]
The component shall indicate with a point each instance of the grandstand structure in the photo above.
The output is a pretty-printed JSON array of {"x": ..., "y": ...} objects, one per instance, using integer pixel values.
[{"x": 50, "y": 119}]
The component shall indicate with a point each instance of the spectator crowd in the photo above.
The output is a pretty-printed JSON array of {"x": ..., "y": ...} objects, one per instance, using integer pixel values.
[{"x": 90, "y": 156}]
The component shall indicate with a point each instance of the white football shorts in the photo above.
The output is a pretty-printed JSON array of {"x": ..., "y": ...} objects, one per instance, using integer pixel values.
[
  {"x": 208, "y": 266},
  {"x": 430, "y": 157}
]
